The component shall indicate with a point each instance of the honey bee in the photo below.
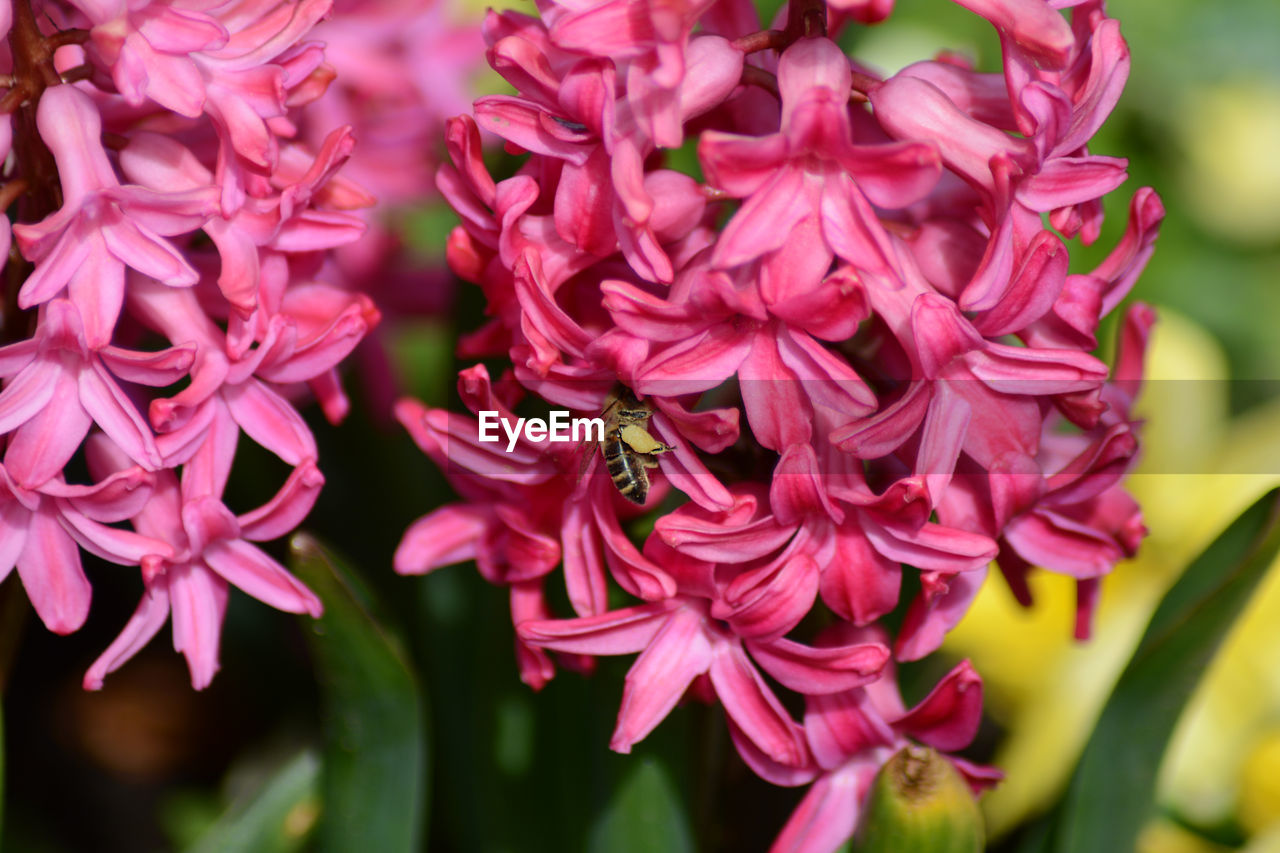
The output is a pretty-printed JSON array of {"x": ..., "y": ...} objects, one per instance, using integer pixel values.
[{"x": 628, "y": 448}]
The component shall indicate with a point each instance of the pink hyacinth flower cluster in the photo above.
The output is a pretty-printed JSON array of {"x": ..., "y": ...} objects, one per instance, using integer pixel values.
[
  {"x": 857, "y": 329},
  {"x": 171, "y": 291}
]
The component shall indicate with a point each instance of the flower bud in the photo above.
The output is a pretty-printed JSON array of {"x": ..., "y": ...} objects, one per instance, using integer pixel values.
[{"x": 919, "y": 803}]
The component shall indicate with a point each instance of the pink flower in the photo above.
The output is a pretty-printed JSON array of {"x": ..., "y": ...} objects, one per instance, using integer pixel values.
[
  {"x": 102, "y": 226},
  {"x": 680, "y": 640},
  {"x": 175, "y": 120},
  {"x": 43, "y": 527},
  {"x": 809, "y": 180},
  {"x": 281, "y": 220},
  {"x": 60, "y": 387},
  {"x": 207, "y": 548},
  {"x": 851, "y": 734}
]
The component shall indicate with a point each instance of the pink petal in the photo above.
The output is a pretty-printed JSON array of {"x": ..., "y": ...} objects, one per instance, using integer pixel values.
[
  {"x": 948, "y": 718},
  {"x": 441, "y": 538},
  {"x": 764, "y": 220},
  {"x": 685, "y": 470},
  {"x": 763, "y": 604},
  {"x": 111, "y": 543},
  {"x": 851, "y": 228},
  {"x": 521, "y": 122},
  {"x": 157, "y": 369},
  {"x": 49, "y": 566},
  {"x": 734, "y": 536},
  {"x": 894, "y": 175},
  {"x": 860, "y": 584},
  {"x": 713, "y": 68},
  {"x": 58, "y": 266},
  {"x": 97, "y": 290},
  {"x": 752, "y": 706},
  {"x": 31, "y": 391},
  {"x": 541, "y": 313},
  {"x": 1049, "y": 539},
  {"x": 260, "y": 576},
  {"x": 695, "y": 364},
  {"x": 940, "y": 606},
  {"x": 1035, "y": 25},
  {"x": 740, "y": 165},
  {"x": 1065, "y": 181},
  {"x": 198, "y": 600},
  {"x": 828, "y": 814},
  {"x": 617, "y": 632},
  {"x": 315, "y": 230},
  {"x": 620, "y": 28},
  {"x": 777, "y": 409},
  {"x": 711, "y": 430},
  {"x": 584, "y": 575},
  {"x": 828, "y": 380},
  {"x": 1032, "y": 291},
  {"x": 1023, "y": 370},
  {"x": 882, "y": 433},
  {"x": 1122, "y": 267},
  {"x": 661, "y": 674},
  {"x": 14, "y": 519},
  {"x": 70, "y": 125},
  {"x": 911, "y": 109},
  {"x": 840, "y": 726},
  {"x": 583, "y": 211},
  {"x": 634, "y": 572},
  {"x": 810, "y": 64},
  {"x": 773, "y": 772},
  {"x": 145, "y": 623},
  {"x": 287, "y": 508},
  {"x": 649, "y": 316},
  {"x": 1108, "y": 72},
  {"x": 832, "y": 311},
  {"x": 798, "y": 489},
  {"x": 114, "y": 413},
  {"x": 268, "y": 419},
  {"x": 814, "y": 671},
  {"x": 40, "y": 447},
  {"x": 933, "y": 546}
]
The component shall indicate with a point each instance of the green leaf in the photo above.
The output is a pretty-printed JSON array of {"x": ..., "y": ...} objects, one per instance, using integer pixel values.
[
  {"x": 1112, "y": 793},
  {"x": 276, "y": 819},
  {"x": 374, "y": 780},
  {"x": 644, "y": 815}
]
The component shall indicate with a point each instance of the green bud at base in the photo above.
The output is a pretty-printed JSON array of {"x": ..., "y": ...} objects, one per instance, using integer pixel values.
[{"x": 919, "y": 803}]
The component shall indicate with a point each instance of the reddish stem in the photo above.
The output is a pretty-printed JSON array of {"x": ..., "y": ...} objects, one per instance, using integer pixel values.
[
  {"x": 62, "y": 38},
  {"x": 806, "y": 19},
  {"x": 763, "y": 40},
  {"x": 752, "y": 76},
  {"x": 80, "y": 72},
  {"x": 864, "y": 84},
  {"x": 10, "y": 191},
  {"x": 35, "y": 188}
]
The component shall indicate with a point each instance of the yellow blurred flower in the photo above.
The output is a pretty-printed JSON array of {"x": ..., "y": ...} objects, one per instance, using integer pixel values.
[
  {"x": 1048, "y": 689},
  {"x": 1164, "y": 836},
  {"x": 1228, "y": 133},
  {"x": 1260, "y": 785}
]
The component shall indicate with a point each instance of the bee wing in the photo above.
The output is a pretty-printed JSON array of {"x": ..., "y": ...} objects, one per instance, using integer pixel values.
[{"x": 588, "y": 456}]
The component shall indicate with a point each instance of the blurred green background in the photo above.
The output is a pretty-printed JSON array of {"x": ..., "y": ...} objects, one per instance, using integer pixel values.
[{"x": 149, "y": 765}]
